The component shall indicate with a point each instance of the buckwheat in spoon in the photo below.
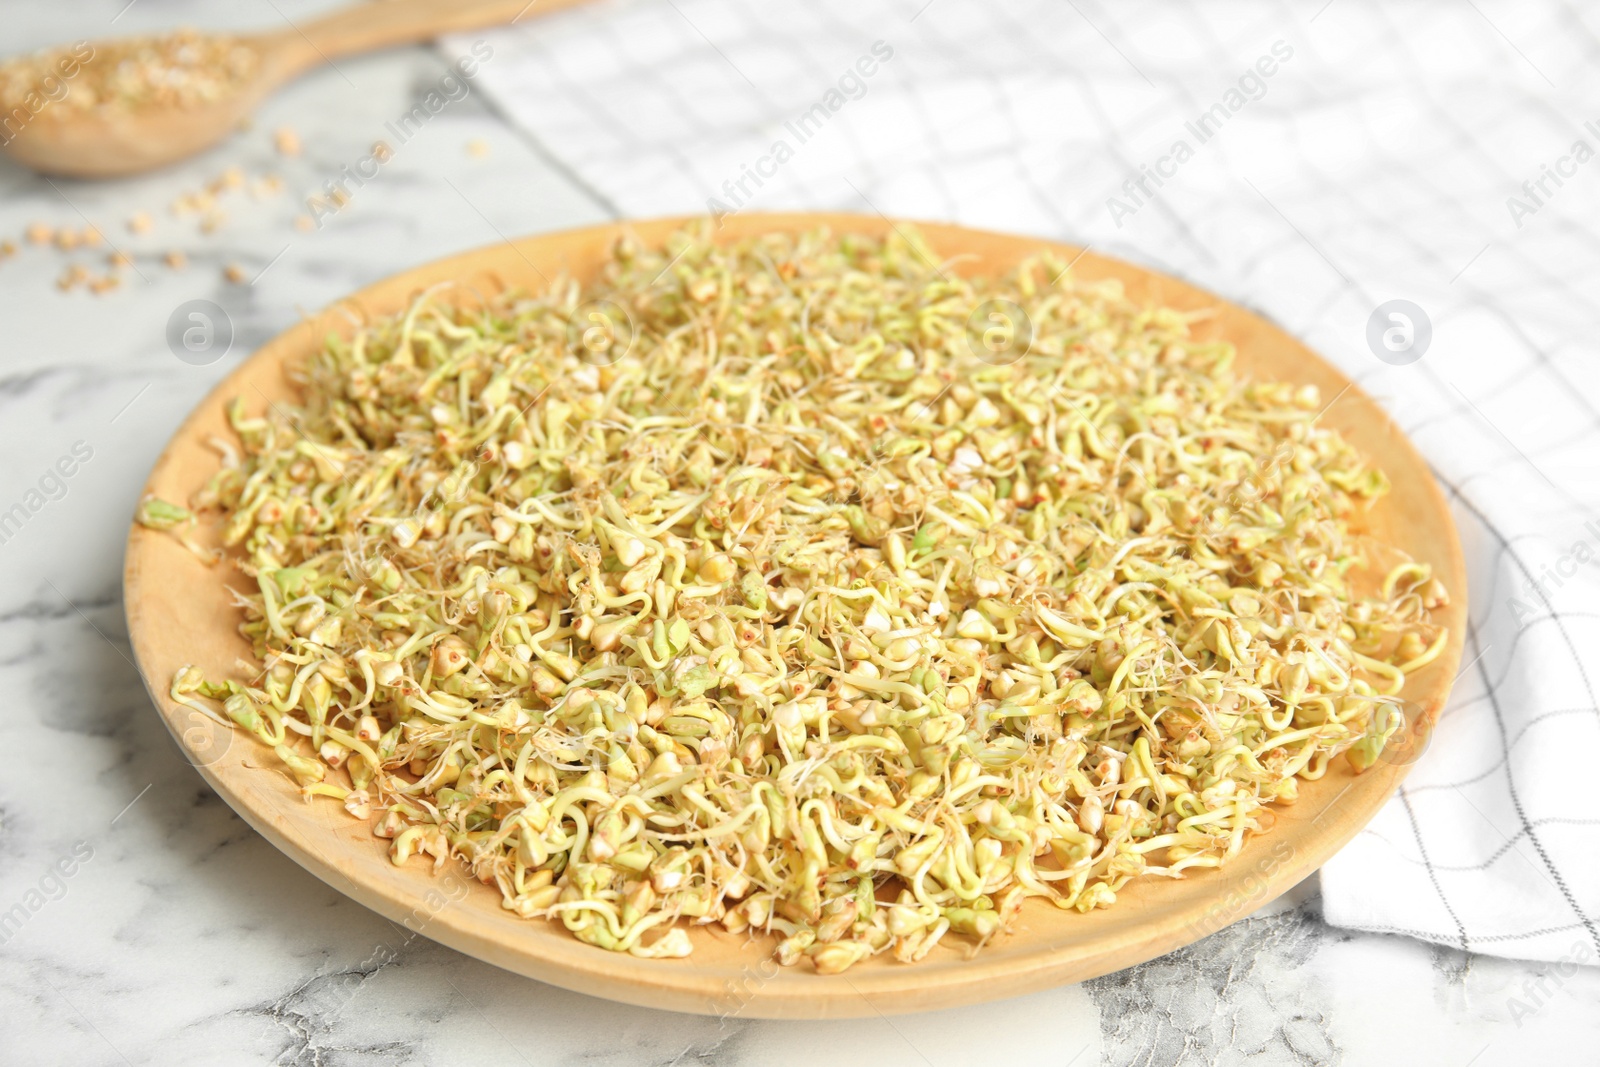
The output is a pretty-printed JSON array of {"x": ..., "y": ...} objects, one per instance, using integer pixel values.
[{"x": 109, "y": 108}]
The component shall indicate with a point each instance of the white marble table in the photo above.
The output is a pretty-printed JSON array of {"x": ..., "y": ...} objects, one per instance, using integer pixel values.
[{"x": 180, "y": 936}]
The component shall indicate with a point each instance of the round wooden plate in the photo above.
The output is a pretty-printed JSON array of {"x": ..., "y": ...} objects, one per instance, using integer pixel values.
[{"x": 179, "y": 612}]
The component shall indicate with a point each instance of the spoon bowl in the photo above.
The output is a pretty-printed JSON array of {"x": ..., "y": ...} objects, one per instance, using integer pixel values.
[
  {"x": 114, "y": 140},
  {"x": 107, "y": 142}
]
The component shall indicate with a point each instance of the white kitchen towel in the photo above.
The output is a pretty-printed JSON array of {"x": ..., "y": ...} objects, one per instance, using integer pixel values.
[{"x": 1311, "y": 160}]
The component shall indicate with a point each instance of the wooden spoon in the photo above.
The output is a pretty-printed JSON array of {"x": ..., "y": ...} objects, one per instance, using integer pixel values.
[{"x": 107, "y": 142}]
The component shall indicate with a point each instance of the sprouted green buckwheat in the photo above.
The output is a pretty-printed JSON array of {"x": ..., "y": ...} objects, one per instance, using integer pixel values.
[{"x": 800, "y": 616}]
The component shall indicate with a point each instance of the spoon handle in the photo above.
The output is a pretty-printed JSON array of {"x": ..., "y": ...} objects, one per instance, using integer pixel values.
[{"x": 385, "y": 23}]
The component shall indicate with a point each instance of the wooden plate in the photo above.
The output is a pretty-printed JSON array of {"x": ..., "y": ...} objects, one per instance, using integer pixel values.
[{"x": 179, "y": 612}]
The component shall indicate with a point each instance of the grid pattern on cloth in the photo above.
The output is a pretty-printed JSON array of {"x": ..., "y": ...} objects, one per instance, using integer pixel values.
[{"x": 1436, "y": 152}]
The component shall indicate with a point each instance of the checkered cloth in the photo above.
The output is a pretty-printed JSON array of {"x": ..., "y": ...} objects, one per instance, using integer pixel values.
[{"x": 1334, "y": 156}]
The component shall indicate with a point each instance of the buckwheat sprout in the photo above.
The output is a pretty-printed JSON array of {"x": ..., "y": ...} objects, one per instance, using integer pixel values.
[{"x": 797, "y": 616}]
